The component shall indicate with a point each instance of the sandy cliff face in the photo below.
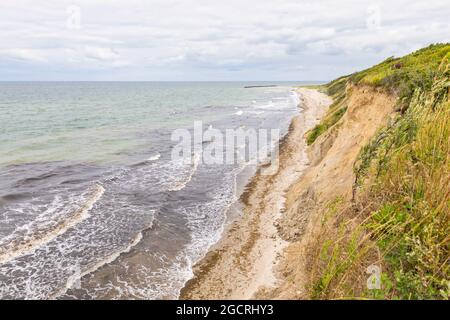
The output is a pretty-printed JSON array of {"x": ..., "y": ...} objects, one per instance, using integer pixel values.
[{"x": 330, "y": 175}]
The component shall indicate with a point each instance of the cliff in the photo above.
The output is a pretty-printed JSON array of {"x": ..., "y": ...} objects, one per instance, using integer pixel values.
[{"x": 370, "y": 217}]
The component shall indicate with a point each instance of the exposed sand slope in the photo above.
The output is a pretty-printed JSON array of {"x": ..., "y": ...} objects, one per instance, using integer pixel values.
[
  {"x": 243, "y": 261},
  {"x": 331, "y": 175},
  {"x": 333, "y": 154}
]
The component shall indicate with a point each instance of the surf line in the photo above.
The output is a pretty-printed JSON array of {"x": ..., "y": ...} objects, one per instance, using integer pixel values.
[
  {"x": 181, "y": 184},
  {"x": 74, "y": 281},
  {"x": 19, "y": 248}
]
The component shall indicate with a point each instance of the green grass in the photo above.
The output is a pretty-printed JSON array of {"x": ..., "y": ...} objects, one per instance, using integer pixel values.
[
  {"x": 335, "y": 89},
  {"x": 319, "y": 87},
  {"x": 404, "y": 75},
  {"x": 400, "y": 219},
  {"x": 400, "y": 76},
  {"x": 325, "y": 124},
  {"x": 412, "y": 226}
]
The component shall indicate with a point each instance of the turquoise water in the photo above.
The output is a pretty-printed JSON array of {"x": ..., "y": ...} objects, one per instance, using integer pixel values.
[
  {"x": 100, "y": 121},
  {"x": 91, "y": 204}
]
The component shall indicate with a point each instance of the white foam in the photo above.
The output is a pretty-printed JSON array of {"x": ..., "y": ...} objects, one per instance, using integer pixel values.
[
  {"x": 15, "y": 246},
  {"x": 239, "y": 113},
  {"x": 75, "y": 278},
  {"x": 154, "y": 158},
  {"x": 181, "y": 184},
  {"x": 256, "y": 112},
  {"x": 206, "y": 223},
  {"x": 206, "y": 235}
]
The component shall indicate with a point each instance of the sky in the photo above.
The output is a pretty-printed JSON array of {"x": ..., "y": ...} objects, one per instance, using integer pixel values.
[{"x": 210, "y": 40}]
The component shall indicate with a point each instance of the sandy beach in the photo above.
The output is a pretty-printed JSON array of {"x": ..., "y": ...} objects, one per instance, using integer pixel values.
[{"x": 243, "y": 264}]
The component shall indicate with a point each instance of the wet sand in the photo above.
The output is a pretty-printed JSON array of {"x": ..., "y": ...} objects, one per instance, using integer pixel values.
[{"x": 242, "y": 265}]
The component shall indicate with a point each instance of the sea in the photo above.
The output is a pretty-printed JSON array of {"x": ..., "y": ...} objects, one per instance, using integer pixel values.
[{"x": 92, "y": 203}]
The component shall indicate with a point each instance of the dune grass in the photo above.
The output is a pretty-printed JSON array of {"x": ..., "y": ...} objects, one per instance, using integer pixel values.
[
  {"x": 400, "y": 76},
  {"x": 399, "y": 219},
  {"x": 404, "y": 75}
]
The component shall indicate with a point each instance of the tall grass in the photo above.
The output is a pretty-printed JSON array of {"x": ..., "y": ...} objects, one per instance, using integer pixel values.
[{"x": 400, "y": 217}]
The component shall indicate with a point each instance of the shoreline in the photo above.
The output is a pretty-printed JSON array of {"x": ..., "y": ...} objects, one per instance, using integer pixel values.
[{"x": 250, "y": 244}]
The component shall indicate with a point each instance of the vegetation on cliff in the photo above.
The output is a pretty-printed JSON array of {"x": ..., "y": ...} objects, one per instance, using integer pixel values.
[
  {"x": 398, "y": 222},
  {"x": 399, "y": 76},
  {"x": 336, "y": 89}
]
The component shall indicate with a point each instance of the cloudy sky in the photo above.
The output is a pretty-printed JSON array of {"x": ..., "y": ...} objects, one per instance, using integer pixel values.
[{"x": 210, "y": 39}]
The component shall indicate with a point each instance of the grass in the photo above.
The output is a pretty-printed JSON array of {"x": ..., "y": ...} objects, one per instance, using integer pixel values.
[
  {"x": 400, "y": 76},
  {"x": 325, "y": 124},
  {"x": 399, "y": 219},
  {"x": 335, "y": 89},
  {"x": 404, "y": 75}
]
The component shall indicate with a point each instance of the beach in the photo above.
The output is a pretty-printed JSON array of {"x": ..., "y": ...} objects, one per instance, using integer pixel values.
[
  {"x": 93, "y": 204},
  {"x": 244, "y": 263}
]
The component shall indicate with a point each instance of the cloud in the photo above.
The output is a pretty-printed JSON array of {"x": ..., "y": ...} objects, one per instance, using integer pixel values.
[
  {"x": 212, "y": 40},
  {"x": 101, "y": 54},
  {"x": 25, "y": 55}
]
